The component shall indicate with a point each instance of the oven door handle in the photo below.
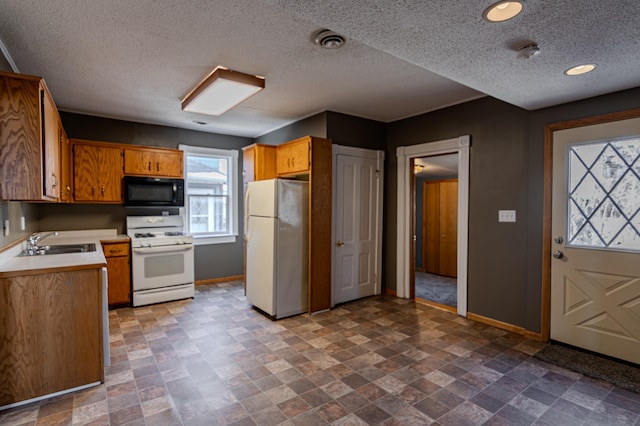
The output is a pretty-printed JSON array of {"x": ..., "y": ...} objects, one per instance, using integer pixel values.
[{"x": 162, "y": 249}]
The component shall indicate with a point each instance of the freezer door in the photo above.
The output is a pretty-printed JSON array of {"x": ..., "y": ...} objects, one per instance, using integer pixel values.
[
  {"x": 292, "y": 260},
  {"x": 261, "y": 264},
  {"x": 261, "y": 198}
]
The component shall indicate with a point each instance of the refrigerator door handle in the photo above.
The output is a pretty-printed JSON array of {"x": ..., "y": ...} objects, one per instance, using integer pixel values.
[{"x": 246, "y": 214}]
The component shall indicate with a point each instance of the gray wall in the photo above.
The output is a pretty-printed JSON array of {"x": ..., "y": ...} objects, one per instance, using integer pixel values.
[
  {"x": 505, "y": 259},
  {"x": 316, "y": 125},
  {"x": 354, "y": 131},
  {"x": 498, "y": 170},
  {"x": 212, "y": 261}
]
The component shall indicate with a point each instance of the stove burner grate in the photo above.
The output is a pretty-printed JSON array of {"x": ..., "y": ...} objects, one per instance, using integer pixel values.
[{"x": 143, "y": 235}]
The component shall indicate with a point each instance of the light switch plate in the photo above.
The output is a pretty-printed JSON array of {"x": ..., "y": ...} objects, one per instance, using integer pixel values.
[
  {"x": 5, "y": 227},
  {"x": 506, "y": 215}
]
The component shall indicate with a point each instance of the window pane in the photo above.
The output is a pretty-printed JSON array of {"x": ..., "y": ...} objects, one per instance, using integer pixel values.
[
  {"x": 208, "y": 214},
  {"x": 207, "y": 175},
  {"x": 604, "y": 195}
]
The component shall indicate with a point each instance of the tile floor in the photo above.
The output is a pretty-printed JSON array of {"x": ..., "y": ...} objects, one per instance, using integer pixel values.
[{"x": 381, "y": 360}]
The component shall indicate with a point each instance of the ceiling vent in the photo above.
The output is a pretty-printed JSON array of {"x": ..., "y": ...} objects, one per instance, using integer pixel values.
[{"x": 327, "y": 39}]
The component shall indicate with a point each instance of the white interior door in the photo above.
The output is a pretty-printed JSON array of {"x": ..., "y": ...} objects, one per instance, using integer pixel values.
[
  {"x": 357, "y": 219},
  {"x": 595, "y": 273}
]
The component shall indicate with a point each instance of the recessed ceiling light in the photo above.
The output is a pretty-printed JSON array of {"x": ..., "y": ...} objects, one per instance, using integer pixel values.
[
  {"x": 502, "y": 11},
  {"x": 580, "y": 69}
]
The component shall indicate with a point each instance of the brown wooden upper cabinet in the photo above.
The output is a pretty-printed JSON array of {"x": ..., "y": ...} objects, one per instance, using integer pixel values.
[
  {"x": 29, "y": 140},
  {"x": 159, "y": 162},
  {"x": 97, "y": 172},
  {"x": 258, "y": 162},
  {"x": 294, "y": 157}
]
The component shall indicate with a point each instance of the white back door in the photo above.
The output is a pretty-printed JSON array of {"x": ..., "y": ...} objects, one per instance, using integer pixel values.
[{"x": 595, "y": 270}]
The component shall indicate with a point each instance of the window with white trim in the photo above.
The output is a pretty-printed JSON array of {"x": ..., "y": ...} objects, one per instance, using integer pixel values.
[{"x": 211, "y": 194}]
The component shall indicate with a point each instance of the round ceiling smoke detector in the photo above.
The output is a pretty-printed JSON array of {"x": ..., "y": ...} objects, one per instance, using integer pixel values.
[
  {"x": 528, "y": 51},
  {"x": 327, "y": 39}
]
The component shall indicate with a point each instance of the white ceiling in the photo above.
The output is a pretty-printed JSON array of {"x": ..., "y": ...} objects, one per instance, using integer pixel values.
[
  {"x": 136, "y": 60},
  {"x": 437, "y": 167}
]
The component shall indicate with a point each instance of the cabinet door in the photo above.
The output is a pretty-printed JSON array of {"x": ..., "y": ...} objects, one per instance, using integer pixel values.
[
  {"x": 449, "y": 228},
  {"x": 86, "y": 166},
  {"x": 110, "y": 178},
  {"x": 53, "y": 337},
  {"x": 118, "y": 273},
  {"x": 20, "y": 140},
  {"x": 51, "y": 144},
  {"x": 293, "y": 157},
  {"x": 153, "y": 163},
  {"x": 431, "y": 226},
  {"x": 168, "y": 164},
  {"x": 248, "y": 164},
  {"x": 265, "y": 162}
]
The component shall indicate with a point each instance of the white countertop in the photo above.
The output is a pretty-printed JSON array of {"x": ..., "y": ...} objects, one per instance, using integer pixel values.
[{"x": 11, "y": 262}]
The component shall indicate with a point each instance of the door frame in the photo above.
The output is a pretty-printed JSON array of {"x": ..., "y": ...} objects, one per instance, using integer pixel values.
[
  {"x": 545, "y": 320},
  {"x": 405, "y": 155},
  {"x": 377, "y": 155}
]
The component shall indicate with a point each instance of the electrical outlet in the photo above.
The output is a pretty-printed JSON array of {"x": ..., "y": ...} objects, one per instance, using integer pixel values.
[
  {"x": 5, "y": 226},
  {"x": 23, "y": 224},
  {"x": 506, "y": 215}
]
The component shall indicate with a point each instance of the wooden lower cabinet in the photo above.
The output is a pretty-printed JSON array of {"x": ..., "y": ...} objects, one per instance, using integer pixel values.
[
  {"x": 50, "y": 333},
  {"x": 440, "y": 227},
  {"x": 118, "y": 273}
]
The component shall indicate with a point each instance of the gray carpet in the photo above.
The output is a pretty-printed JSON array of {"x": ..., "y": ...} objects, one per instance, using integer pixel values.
[
  {"x": 620, "y": 374},
  {"x": 436, "y": 288}
]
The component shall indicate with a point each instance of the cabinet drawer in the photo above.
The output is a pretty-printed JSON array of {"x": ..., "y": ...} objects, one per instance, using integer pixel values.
[{"x": 118, "y": 249}]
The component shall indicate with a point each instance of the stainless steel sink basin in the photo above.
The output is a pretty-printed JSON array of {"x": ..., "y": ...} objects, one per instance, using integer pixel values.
[{"x": 63, "y": 249}]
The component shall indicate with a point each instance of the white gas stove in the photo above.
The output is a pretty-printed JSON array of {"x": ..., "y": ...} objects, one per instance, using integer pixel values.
[{"x": 162, "y": 259}]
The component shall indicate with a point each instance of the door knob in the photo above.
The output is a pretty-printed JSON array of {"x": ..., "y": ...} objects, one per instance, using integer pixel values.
[
  {"x": 558, "y": 254},
  {"x": 339, "y": 243}
]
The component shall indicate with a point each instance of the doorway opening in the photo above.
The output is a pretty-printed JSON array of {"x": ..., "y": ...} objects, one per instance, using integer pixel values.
[
  {"x": 435, "y": 230},
  {"x": 405, "y": 259}
]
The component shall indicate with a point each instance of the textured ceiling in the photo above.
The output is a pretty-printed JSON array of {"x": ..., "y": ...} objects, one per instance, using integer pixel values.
[{"x": 136, "y": 60}]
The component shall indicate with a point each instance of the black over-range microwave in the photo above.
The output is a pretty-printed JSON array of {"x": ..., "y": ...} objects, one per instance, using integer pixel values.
[{"x": 149, "y": 191}]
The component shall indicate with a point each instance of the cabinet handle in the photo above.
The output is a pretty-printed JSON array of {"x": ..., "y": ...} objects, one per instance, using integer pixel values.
[
  {"x": 68, "y": 190},
  {"x": 293, "y": 162},
  {"x": 116, "y": 251},
  {"x": 102, "y": 190},
  {"x": 149, "y": 166},
  {"x": 93, "y": 190},
  {"x": 157, "y": 167},
  {"x": 53, "y": 185}
]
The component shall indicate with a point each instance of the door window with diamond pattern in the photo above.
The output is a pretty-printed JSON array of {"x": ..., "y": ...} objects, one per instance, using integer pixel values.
[{"x": 604, "y": 195}]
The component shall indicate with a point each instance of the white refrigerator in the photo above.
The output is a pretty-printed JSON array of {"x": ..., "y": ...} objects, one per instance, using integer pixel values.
[{"x": 277, "y": 238}]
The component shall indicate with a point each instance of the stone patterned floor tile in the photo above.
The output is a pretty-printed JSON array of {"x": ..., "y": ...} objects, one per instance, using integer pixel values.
[{"x": 214, "y": 360}]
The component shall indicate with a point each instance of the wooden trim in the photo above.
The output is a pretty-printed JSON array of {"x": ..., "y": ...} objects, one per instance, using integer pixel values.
[
  {"x": 505, "y": 326},
  {"x": 545, "y": 319},
  {"x": 390, "y": 292},
  {"x": 436, "y": 305},
  {"x": 220, "y": 280}
]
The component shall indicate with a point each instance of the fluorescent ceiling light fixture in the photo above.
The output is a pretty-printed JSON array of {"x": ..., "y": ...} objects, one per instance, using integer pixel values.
[
  {"x": 221, "y": 90},
  {"x": 580, "y": 69},
  {"x": 502, "y": 11}
]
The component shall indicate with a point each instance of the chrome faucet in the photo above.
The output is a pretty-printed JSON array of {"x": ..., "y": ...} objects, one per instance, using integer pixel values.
[{"x": 32, "y": 243}]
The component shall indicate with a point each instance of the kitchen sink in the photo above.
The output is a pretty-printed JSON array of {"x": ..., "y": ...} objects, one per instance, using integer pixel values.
[{"x": 63, "y": 249}]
